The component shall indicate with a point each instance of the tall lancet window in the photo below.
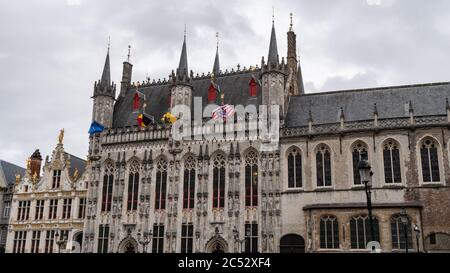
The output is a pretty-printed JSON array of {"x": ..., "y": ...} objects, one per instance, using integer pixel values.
[
  {"x": 323, "y": 166},
  {"x": 359, "y": 152},
  {"x": 430, "y": 161},
  {"x": 294, "y": 169},
  {"x": 133, "y": 185},
  {"x": 391, "y": 161},
  {"x": 161, "y": 184},
  {"x": 189, "y": 183},
  {"x": 219, "y": 182},
  {"x": 107, "y": 189},
  {"x": 251, "y": 179}
]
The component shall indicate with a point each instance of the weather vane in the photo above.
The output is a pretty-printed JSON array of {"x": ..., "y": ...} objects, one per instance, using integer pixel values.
[
  {"x": 217, "y": 39},
  {"x": 273, "y": 14},
  {"x": 129, "y": 52},
  {"x": 291, "y": 19}
]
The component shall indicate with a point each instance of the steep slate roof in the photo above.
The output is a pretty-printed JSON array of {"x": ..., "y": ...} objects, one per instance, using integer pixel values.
[
  {"x": 76, "y": 163},
  {"x": 273, "y": 50},
  {"x": 9, "y": 171},
  {"x": 235, "y": 86},
  {"x": 106, "y": 75},
  {"x": 183, "y": 66},
  {"x": 358, "y": 105}
]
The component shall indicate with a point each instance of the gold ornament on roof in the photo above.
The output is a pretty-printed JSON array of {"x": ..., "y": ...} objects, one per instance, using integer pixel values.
[
  {"x": 34, "y": 178},
  {"x": 28, "y": 164},
  {"x": 17, "y": 178},
  {"x": 76, "y": 174},
  {"x": 61, "y": 136}
]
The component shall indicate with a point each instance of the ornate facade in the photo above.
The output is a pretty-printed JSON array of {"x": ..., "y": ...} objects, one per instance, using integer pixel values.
[
  {"x": 148, "y": 191},
  {"x": 48, "y": 210}
]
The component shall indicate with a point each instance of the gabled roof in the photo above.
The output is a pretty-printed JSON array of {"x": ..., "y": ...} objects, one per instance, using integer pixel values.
[
  {"x": 8, "y": 171},
  {"x": 76, "y": 163},
  {"x": 358, "y": 105}
]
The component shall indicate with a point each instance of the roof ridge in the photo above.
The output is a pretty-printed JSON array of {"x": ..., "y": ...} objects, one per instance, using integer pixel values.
[
  {"x": 71, "y": 155},
  {"x": 197, "y": 77},
  {"x": 7, "y": 162},
  {"x": 383, "y": 88}
]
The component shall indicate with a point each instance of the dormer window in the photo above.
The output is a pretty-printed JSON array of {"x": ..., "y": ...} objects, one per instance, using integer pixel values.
[
  {"x": 253, "y": 87},
  {"x": 56, "y": 179},
  {"x": 212, "y": 93}
]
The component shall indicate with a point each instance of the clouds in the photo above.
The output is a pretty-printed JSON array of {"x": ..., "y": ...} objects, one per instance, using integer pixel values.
[{"x": 52, "y": 51}]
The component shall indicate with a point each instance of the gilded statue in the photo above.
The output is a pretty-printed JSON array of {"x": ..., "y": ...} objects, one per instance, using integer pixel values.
[
  {"x": 75, "y": 174},
  {"x": 61, "y": 136},
  {"x": 28, "y": 164}
]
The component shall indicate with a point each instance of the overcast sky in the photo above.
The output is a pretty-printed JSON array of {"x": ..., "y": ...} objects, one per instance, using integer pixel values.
[{"x": 52, "y": 51}]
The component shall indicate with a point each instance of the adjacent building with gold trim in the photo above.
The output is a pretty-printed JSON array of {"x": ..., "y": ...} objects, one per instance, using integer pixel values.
[{"x": 48, "y": 209}]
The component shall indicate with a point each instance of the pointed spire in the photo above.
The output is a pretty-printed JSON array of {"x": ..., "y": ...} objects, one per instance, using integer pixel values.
[
  {"x": 206, "y": 156},
  {"x": 310, "y": 116},
  {"x": 150, "y": 158},
  {"x": 200, "y": 153},
  {"x": 231, "y": 154},
  {"x": 273, "y": 49},
  {"x": 341, "y": 113},
  {"x": 183, "y": 66},
  {"x": 301, "y": 86},
  {"x": 106, "y": 75},
  {"x": 216, "y": 67},
  {"x": 237, "y": 153}
]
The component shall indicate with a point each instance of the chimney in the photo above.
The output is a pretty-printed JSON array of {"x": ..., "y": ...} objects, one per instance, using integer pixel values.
[{"x": 35, "y": 164}]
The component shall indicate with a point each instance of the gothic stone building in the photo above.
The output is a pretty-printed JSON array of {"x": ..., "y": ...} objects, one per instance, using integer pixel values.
[
  {"x": 150, "y": 192},
  {"x": 48, "y": 208}
]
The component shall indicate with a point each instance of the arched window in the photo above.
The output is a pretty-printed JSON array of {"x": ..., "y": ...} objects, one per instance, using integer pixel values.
[
  {"x": 295, "y": 169},
  {"x": 398, "y": 233},
  {"x": 107, "y": 189},
  {"x": 329, "y": 232},
  {"x": 359, "y": 152},
  {"x": 133, "y": 186},
  {"x": 323, "y": 166},
  {"x": 251, "y": 179},
  {"x": 391, "y": 161},
  {"x": 189, "y": 183},
  {"x": 219, "y": 182},
  {"x": 361, "y": 233},
  {"x": 161, "y": 184},
  {"x": 430, "y": 161},
  {"x": 292, "y": 243}
]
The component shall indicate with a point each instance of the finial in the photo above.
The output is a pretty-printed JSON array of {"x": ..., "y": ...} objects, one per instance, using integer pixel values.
[
  {"x": 109, "y": 43},
  {"x": 290, "y": 14},
  {"x": 184, "y": 31},
  {"x": 217, "y": 38},
  {"x": 129, "y": 53},
  {"x": 273, "y": 15}
]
